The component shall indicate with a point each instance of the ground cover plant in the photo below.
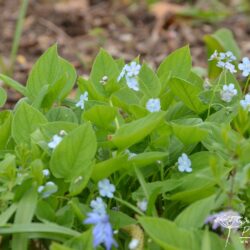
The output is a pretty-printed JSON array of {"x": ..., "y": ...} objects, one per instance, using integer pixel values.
[{"x": 136, "y": 159}]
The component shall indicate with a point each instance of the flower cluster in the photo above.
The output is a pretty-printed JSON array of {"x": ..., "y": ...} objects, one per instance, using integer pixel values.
[
  {"x": 48, "y": 189},
  {"x": 228, "y": 92},
  {"x": 83, "y": 98},
  {"x": 225, "y": 219},
  {"x": 224, "y": 60},
  {"x": 245, "y": 103},
  {"x": 102, "y": 231},
  {"x": 153, "y": 105},
  {"x": 184, "y": 163},
  {"x": 130, "y": 72}
]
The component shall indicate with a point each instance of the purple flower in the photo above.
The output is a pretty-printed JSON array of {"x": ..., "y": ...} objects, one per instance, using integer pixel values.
[{"x": 225, "y": 219}]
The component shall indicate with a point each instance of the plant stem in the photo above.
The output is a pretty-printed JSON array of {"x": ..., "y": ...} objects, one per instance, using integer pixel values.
[
  {"x": 18, "y": 33},
  {"x": 213, "y": 94},
  {"x": 246, "y": 85}
]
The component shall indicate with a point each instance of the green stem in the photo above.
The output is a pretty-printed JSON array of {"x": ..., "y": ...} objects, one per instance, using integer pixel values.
[
  {"x": 213, "y": 94},
  {"x": 228, "y": 236},
  {"x": 18, "y": 33},
  {"x": 246, "y": 85}
]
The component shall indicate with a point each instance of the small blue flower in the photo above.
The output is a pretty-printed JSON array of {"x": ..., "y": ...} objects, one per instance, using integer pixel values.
[
  {"x": 46, "y": 172},
  {"x": 245, "y": 103},
  {"x": 106, "y": 189},
  {"x": 98, "y": 205},
  {"x": 132, "y": 83},
  {"x": 153, "y": 105},
  {"x": 48, "y": 189},
  {"x": 56, "y": 139},
  {"x": 245, "y": 66},
  {"x": 130, "y": 72},
  {"x": 83, "y": 98},
  {"x": 133, "y": 69},
  {"x": 228, "y": 92},
  {"x": 102, "y": 231},
  {"x": 184, "y": 163}
]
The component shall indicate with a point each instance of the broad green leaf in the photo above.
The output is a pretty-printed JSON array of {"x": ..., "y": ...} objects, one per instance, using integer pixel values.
[
  {"x": 124, "y": 98},
  {"x": 169, "y": 68},
  {"x": 24, "y": 214},
  {"x": 149, "y": 82},
  {"x": 3, "y": 97},
  {"x": 26, "y": 120},
  {"x": 48, "y": 70},
  {"x": 5, "y": 127},
  {"x": 73, "y": 156},
  {"x": 189, "y": 218},
  {"x": 120, "y": 220},
  {"x": 183, "y": 128},
  {"x": 133, "y": 132},
  {"x": 101, "y": 115},
  {"x": 61, "y": 114},
  {"x": 104, "y": 65},
  {"x": 104, "y": 169},
  {"x": 188, "y": 93},
  {"x": 167, "y": 235},
  {"x": 83, "y": 241},
  {"x": 44, "y": 211},
  {"x": 148, "y": 158}
]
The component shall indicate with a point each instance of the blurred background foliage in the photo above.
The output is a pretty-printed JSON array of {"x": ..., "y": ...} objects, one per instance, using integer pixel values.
[{"x": 125, "y": 28}]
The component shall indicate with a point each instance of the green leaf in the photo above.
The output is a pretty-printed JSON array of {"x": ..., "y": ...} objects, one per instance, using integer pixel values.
[
  {"x": 6, "y": 215},
  {"x": 188, "y": 93},
  {"x": 189, "y": 218},
  {"x": 26, "y": 120},
  {"x": 104, "y": 65},
  {"x": 106, "y": 168},
  {"x": 3, "y": 97},
  {"x": 24, "y": 214},
  {"x": 102, "y": 116},
  {"x": 73, "y": 156},
  {"x": 168, "y": 68},
  {"x": 56, "y": 246},
  {"x": 30, "y": 228},
  {"x": 183, "y": 128},
  {"x": 5, "y": 128},
  {"x": 167, "y": 235},
  {"x": 14, "y": 84},
  {"x": 61, "y": 114},
  {"x": 133, "y": 132},
  {"x": 48, "y": 70},
  {"x": 83, "y": 241},
  {"x": 149, "y": 82}
]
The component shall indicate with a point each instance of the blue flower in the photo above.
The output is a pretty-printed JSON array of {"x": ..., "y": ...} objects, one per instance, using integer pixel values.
[
  {"x": 102, "y": 231},
  {"x": 153, "y": 105},
  {"x": 228, "y": 92},
  {"x": 83, "y": 98},
  {"x": 184, "y": 163},
  {"x": 48, "y": 189},
  {"x": 132, "y": 83},
  {"x": 98, "y": 205},
  {"x": 130, "y": 72},
  {"x": 106, "y": 189},
  {"x": 245, "y": 66},
  {"x": 133, "y": 69},
  {"x": 245, "y": 103}
]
